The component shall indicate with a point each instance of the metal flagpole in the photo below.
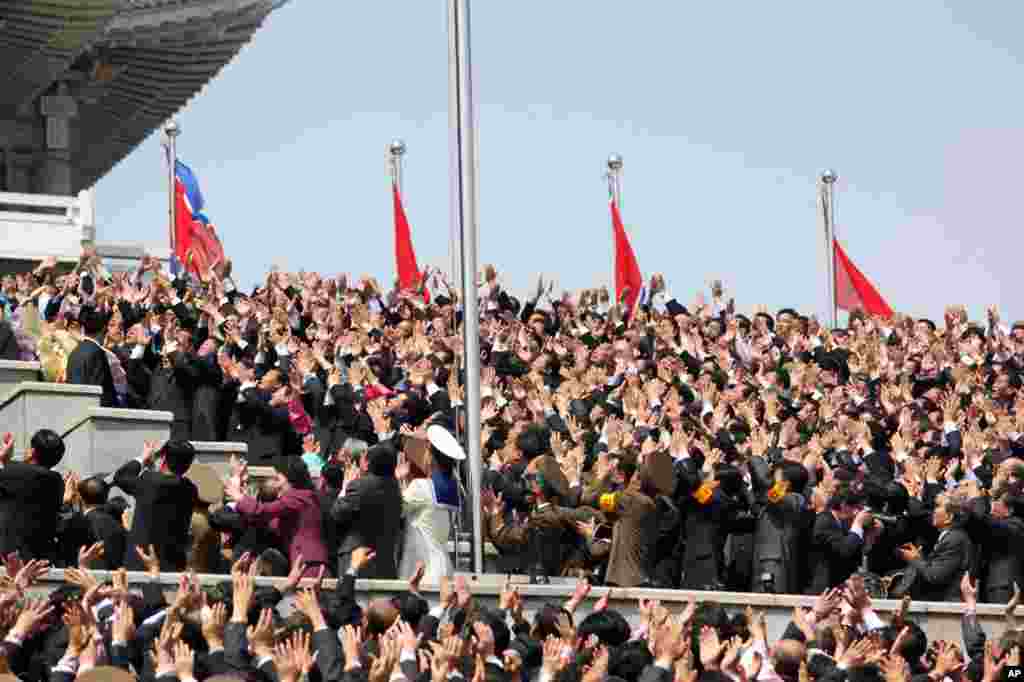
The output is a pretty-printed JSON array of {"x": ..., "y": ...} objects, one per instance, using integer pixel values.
[
  {"x": 828, "y": 180},
  {"x": 396, "y": 150},
  {"x": 171, "y": 130},
  {"x": 615, "y": 178},
  {"x": 460, "y": 92}
]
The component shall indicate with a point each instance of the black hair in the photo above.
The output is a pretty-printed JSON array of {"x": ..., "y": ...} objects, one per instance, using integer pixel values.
[
  {"x": 295, "y": 470},
  {"x": 179, "y": 455},
  {"x": 502, "y": 636},
  {"x": 610, "y": 627},
  {"x": 796, "y": 474},
  {"x": 411, "y": 608},
  {"x": 93, "y": 322},
  {"x": 334, "y": 475},
  {"x": 865, "y": 673},
  {"x": 629, "y": 660},
  {"x": 383, "y": 459},
  {"x": 533, "y": 441},
  {"x": 843, "y": 497},
  {"x": 47, "y": 448}
]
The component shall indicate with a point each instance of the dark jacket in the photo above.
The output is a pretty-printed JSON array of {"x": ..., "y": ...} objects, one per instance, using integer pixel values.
[
  {"x": 1001, "y": 546},
  {"x": 8, "y": 342},
  {"x": 30, "y": 502},
  {"x": 369, "y": 514},
  {"x": 172, "y": 389},
  {"x": 97, "y": 525},
  {"x": 939, "y": 574},
  {"x": 162, "y": 516},
  {"x": 88, "y": 365},
  {"x": 208, "y": 378},
  {"x": 262, "y": 427},
  {"x": 835, "y": 553}
]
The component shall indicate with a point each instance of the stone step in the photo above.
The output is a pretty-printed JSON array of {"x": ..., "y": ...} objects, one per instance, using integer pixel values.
[
  {"x": 218, "y": 454},
  {"x": 100, "y": 439},
  {"x": 32, "y": 405},
  {"x": 940, "y": 620},
  {"x": 15, "y": 371}
]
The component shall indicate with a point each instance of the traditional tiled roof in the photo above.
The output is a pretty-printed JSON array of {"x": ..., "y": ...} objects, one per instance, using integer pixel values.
[
  {"x": 39, "y": 41},
  {"x": 157, "y": 54}
]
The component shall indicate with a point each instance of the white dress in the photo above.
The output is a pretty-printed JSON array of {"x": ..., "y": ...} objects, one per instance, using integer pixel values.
[{"x": 427, "y": 525}]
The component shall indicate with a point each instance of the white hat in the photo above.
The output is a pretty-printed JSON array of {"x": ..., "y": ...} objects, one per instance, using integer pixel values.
[{"x": 442, "y": 439}]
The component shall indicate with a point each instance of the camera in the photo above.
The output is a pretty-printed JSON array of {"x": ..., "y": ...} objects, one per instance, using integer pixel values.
[{"x": 85, "y": 282}]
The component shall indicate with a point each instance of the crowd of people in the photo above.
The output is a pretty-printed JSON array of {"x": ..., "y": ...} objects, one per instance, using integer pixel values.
[
  {"x": 116, "y": 631},
  {"x": 672, "y": 445}
]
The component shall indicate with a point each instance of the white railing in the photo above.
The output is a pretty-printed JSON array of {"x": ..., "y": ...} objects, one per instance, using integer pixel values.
[{"x": 28, "y": 233}]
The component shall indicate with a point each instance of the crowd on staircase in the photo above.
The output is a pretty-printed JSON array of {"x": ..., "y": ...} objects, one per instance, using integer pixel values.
[{"x": 666, "y": 445}]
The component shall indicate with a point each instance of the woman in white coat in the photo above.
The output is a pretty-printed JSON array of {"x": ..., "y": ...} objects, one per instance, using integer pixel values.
[{"x": 430, "y": 499}]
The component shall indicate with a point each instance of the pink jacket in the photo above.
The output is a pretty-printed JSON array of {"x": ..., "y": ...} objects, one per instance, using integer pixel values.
[{"x": 295, "y": 517}]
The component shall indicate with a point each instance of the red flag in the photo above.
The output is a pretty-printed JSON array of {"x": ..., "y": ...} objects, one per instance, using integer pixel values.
[
  {"x": 627, "y": 273},
  {"x": 205, "y": 249},
  {"x": 182, "y": 223},
  {"x": 853, "y": 290},
  {"x": 405, "y": 257}
]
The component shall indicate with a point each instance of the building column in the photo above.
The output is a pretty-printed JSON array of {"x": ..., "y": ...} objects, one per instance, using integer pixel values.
[{"x": 56, "y": 170}]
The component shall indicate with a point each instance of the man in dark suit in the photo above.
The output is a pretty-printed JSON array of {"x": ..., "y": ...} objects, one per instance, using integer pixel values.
[
  {"x": 937, "y": 577},
  {"x": 88, "y": 364},
  {"x": 781, "y": 526},
  {"x": 368, "y": 513},
  {"x": 172, "y": 386},
  {"x": 8, "y": 342},
  {"x": 94, "y": 523},
  {"x": 339, "y": 417},
  {"x": 332, "y": 479},
  {"x": 260, "y": 415},
  {"x": 164, "y": 500},
  {"x": 999, "y": 528},
  {"x": 31, "y": 494},
  {"x": 837, "y": 541}
]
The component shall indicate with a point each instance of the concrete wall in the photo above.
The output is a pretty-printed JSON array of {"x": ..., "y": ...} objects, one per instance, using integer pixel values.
[
  {"x": 102, "y": 438},
  {"x": 30, "y": 406},
  {"x": 939, "y": 620}
]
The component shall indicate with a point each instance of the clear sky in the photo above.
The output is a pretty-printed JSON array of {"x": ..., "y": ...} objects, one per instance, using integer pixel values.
[{"x": 724, "y": 112}]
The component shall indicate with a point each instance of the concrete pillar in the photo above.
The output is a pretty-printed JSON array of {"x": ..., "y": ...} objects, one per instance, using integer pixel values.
[
  {"x": 56, "y": 170},
  {"x": 56, "y": 173},
  {"x": 20, "y": 172}
]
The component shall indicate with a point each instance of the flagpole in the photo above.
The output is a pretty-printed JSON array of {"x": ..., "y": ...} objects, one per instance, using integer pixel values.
[
  {"x": 615, "y": 178},
  {"x": 460, "y": 92},
  {"x": 828, "y": 180},
  {"x": 171, "y": 130},
  {"x": 396, "y": 150}
]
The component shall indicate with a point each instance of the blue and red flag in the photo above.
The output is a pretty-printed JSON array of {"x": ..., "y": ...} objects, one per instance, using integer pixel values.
[{"x": 196, "y": 244}]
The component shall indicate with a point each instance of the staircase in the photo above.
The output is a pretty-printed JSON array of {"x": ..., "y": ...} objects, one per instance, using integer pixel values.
[
  {"x": 98, "y": 439},
  {"x": 101, "y": 439}
]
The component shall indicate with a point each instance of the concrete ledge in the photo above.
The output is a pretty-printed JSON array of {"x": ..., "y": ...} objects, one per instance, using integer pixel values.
[
  {"x": 116, "y": 414},
  {"x": 14, "y": 372},
  {"x": 939, "y": 619},
  {"x": 217, "y": 454},
  {"x": 101, "y": 439},
  {"x": 33, "y": 405}
]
